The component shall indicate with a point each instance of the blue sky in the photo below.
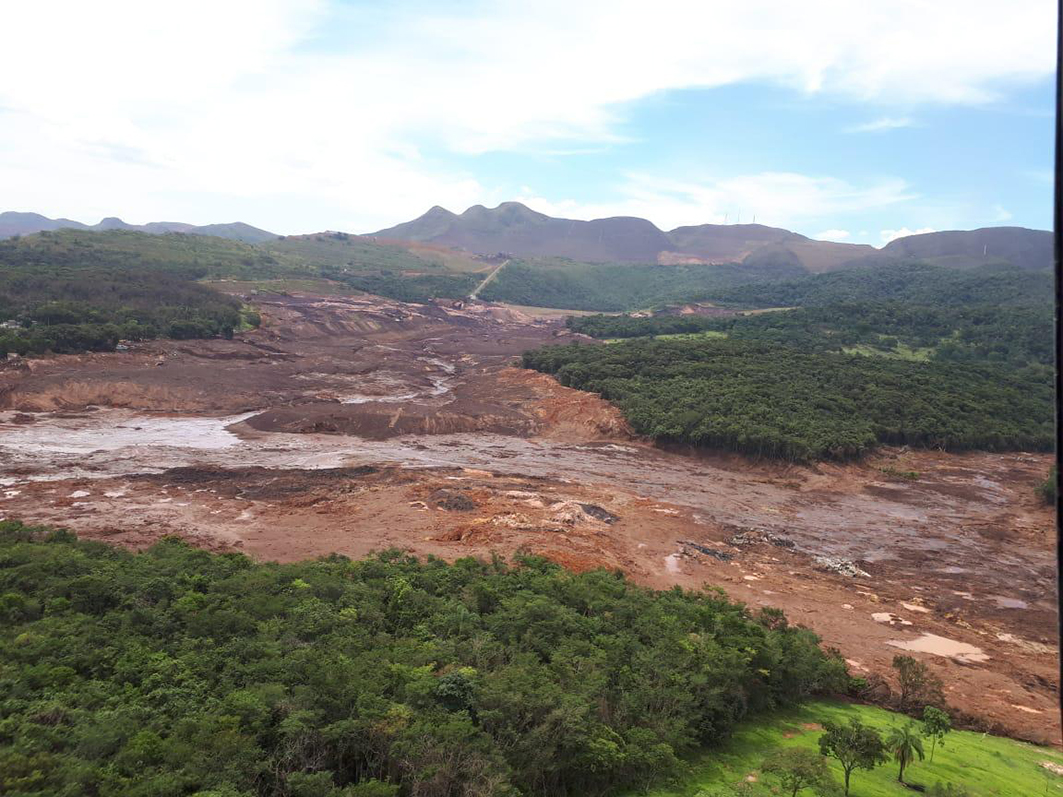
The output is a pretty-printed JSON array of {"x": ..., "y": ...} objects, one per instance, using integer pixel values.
[{"x": 841, "y": 120}]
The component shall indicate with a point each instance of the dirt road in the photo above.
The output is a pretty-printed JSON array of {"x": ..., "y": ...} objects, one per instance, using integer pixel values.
[
  {"x": 487, "y": 280},
  {"x": 353, "y": 425}
]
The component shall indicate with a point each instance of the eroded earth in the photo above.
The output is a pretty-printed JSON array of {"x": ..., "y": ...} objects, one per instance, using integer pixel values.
[{"x": 358, "y": 424}]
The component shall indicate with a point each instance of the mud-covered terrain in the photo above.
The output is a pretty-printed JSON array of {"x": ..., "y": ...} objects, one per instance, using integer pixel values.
[{"x": 352, "y": 425}]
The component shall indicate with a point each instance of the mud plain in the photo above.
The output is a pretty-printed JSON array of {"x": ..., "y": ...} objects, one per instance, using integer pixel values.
[{"x": 351, "y": 425}]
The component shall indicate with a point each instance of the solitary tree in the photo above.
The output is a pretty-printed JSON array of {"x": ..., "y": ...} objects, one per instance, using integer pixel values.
[
  {"x": 917, "y": 684},
  {"x": 904, "y": 745},
  {"x": 936, "y": 723},
  {"x": 798, "y": 768},
  {"x": 855, "y": 746}
]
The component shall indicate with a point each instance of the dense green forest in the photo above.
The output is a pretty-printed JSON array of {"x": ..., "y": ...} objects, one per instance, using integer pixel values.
[
  {"x": 570, "y": 285},
  {"x": 67, "y": 310},
  {"x": 950, "y": 333},
  {"x": 609, "y": 287},
  {"x": 767, "y": 399},
  {"x": 911, "y": 283},
  {"x": 175, "y": 254},
  {"x": 175, "y": 671}
]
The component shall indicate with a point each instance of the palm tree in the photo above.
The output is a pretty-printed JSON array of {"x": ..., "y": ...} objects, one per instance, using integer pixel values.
[{"x": 904, "y": 745}]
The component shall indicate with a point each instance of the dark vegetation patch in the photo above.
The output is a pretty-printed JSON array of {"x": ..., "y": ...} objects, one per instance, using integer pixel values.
[
  {"x": 772, "y": 400},
  {"x": 177, "y": 672}
]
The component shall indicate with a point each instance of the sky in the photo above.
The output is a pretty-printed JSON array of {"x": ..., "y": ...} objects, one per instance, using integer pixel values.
[{"x": 849, "y": 121}]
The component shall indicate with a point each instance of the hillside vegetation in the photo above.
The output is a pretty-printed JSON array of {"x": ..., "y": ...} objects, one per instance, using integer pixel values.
[
  {"x": 915, "y": 283},
  {"x": 572, "y": 285},
  {"x": 75, "y": 290},
  {"x": 767, "y": 399},
  {"x": 1017, "y": 335},
  {"x": 179, "y": 672}
]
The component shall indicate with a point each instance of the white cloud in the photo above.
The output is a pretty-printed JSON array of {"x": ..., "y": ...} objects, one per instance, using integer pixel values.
[
  {"x": 881, "y": 124},
  {"x": 1001, "y": 213},
  {"x": 903, "y": 232},
  {"x": 310, "y": 114},
  {"x": 832, "y": 235},
  {"x": 781, "y": 199}
]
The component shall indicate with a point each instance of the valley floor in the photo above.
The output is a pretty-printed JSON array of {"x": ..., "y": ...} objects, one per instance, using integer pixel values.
[{"x": 357, "y": 424}]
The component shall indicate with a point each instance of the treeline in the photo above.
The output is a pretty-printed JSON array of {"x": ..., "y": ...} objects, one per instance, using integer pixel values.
[
  {"x": 188, "y": 257},
  {"x": 178, "y": 672},
  {"x": 954, "y": 333},
  {"x": 772, "y": 400},
  {"x": 611, "y": 287},
  {"x": 620, "y": 287},
  {"x": 67, "y": 310},
  {"x": 911, "y": 283}
]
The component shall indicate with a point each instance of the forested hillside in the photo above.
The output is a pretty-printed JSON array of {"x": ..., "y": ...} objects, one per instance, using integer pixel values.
[
  {"x": 571, "y": 285},
  {"x": 917, "y": 283},
  {"x": 179, "y": 672},
  {"x": 67, "y": 293},
  {"x": 74, "y": 290},
  {"x": 774, "y": 400},
  {"x": 1017, "y": 335}
]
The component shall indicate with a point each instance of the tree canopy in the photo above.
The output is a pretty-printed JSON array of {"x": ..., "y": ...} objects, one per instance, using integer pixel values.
[
  {"x": 178, "y": 672},
  {"x": 772, "y": 400}
]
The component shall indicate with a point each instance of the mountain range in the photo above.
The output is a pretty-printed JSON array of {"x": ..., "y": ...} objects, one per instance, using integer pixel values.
[
  {"x": 515, "y": 229},
  {"x": 14, "y": 223}
]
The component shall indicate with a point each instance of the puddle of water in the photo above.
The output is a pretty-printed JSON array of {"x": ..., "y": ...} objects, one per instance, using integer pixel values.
[
  {"x": 201, "y": 433},
  {"x": 1003, "y": 602},
  {"x": 941, "y": 646}
]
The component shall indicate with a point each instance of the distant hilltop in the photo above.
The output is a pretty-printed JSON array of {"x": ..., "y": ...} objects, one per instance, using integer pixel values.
[
  {"x": 517, "y": 229},
  {"x": 14, "y": 223}
]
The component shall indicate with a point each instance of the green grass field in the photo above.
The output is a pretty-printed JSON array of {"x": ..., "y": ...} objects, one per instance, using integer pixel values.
[
  {"x": 708, "y": 333},
  {"x": 986, "y": 766},
  {"x": 901, "y": 351},
  {"x": 312, "y": 285}
]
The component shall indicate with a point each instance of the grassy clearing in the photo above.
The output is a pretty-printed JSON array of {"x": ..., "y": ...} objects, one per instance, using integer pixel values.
[
  {"x": 986, "y": 766},
  {"x": 321, "y": 287},
  {"x": 677, "y": 336},
  {"x": 901, "y": 351},
  {"x": 708, "y": 333}
]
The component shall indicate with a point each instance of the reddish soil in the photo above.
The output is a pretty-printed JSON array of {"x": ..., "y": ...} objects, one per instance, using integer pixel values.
[{"x": 354, "y": 425}]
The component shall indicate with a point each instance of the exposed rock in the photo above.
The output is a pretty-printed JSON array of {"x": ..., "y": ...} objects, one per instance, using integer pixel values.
[
  {"x": 452, "y": 501},
  {"x": 598, "y": 513},
  {"x": 754, "y": 536},
  {"x": 723, "y": 556},
  {"x": 842, "y": 567}
]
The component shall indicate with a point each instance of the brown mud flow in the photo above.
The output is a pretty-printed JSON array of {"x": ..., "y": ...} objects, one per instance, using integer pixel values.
[{"x": 353, "y": 425}]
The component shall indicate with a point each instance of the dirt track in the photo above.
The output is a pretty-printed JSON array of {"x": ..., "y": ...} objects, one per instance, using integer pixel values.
[{"x": 355, "y": 425}]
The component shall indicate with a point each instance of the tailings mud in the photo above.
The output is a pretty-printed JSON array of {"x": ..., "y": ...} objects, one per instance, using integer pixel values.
[{"x": 353, "y": 425}]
